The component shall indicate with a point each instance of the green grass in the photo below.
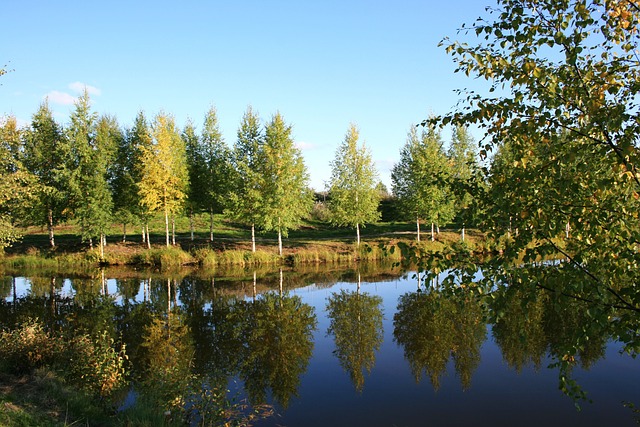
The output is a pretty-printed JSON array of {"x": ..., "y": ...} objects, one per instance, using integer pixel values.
[{"x": 43, "y": 399}]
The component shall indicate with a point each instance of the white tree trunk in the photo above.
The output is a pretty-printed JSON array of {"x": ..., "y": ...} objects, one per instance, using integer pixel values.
[
  {"x": 418, "y": 228},
  {"x": 168, "y": 290},
  {"x": 191, "y": 225},
  {"x": 148, "y": 236},
  {"x": 279, "y": 238},
  {"x": 52, "y": 241},
  {"x": 463, "y": 232},
  {"x": 211, "y": 225},
  {"x": 166, "y": 226},
  {"x": 253, "y": 238},
  {"x": 124, "y": 232},
  {"x": 433, "y": 237},
  {"x": 255, "y": 282},
  {"x": 173, "y": 230},
  {"x": 358, "y": 234}
]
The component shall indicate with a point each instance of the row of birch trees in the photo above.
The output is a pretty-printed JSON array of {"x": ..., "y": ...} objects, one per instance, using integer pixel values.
[{"x": 96, "y": 173}]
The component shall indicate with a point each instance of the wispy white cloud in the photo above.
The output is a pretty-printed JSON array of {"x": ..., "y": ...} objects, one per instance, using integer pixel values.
[
  {"x": 79, "y": 87},
  {"x": 61, "y": 98},
  {"x": 306, "y": 146},
  {"x": 385, "y": 165}
]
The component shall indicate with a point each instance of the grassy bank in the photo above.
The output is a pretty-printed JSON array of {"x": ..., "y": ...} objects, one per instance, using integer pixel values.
[{"x": 314, "y": 243}]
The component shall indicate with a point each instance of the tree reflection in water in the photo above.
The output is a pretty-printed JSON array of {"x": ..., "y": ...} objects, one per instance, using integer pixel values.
[
  {"x": 276, "y": 331},
  {"x": 356, "y": 325},
  {"x": 432, "y": 327}
]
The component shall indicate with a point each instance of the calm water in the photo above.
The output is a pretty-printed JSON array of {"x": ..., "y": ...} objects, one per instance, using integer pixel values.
[{"x": 380, "y": 354}]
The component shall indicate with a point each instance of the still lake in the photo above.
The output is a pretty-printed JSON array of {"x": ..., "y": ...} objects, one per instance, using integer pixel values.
[{"x": 387, "y": 351}]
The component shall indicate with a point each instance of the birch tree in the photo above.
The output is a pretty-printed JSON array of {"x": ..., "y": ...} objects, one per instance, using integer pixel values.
[
  {"x": 124, "y": 175},
  {"x": 562, "y": 79},
  {"x": 91, "y": 153},
  {"x": 164, "y": 181},
  {"x": 141, "y": 140},
  {"x": 16, "y": 183},
  {"x": 245, "y": 200},
  {"x": 216, "y": 168},
  {"x": 420, "y": 180},
  {"x": 47, "y": 157},
  {"x": 353, "y": 196},
  {"x": 195, "y": 170},
  {"x": 464, "y": 168},
  {"x": 283, "y": 182}
]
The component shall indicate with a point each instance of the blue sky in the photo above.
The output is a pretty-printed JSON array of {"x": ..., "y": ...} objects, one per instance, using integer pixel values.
[{"x": 322, "y": 65}]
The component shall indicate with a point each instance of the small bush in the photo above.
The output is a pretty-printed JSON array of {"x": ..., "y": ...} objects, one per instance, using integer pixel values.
[
  {"x": 320, "y": 212},
  {"x": 205, "y": 257},
  {"x": 94, "y": 365},
  {"x": 27, "y": 347},
  {"x": 165, "y": 257}
]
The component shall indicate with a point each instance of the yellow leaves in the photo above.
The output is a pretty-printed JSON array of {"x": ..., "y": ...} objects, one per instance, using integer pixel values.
[{"x": 624, "y": 14}]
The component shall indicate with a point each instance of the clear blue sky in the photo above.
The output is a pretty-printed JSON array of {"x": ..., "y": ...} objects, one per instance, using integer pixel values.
[{"x": 321, "y": 64}]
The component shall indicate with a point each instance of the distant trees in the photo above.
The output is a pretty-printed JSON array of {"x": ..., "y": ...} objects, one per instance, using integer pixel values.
[
  {"x": 463, "y": 162},
  {"x": 353, "y": 194}
]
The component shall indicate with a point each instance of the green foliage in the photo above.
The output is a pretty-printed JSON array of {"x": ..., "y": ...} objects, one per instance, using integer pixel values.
[
  {"x": 93, "y": 145},
  {"x": 216, "y": 165},
  {"x": 277, "y": 333},
  {"x": 433, "y": 327},
  {"x": 465, "y": 176},
  {"x": 563, "y": 119},
  {"x": 210, "y": 169},
  {"x": 126, "y": 171},
  {"x": 16, "y": 183}
]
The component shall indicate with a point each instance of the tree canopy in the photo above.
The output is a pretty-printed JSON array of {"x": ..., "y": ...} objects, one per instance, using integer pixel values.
[{"x": 562, "y": 110}]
